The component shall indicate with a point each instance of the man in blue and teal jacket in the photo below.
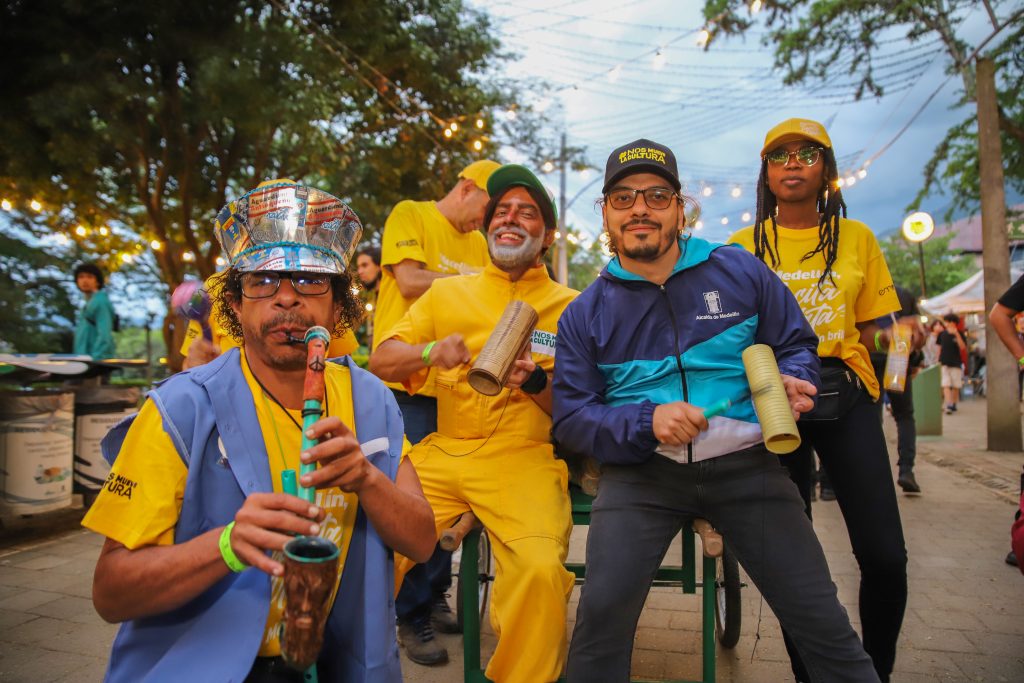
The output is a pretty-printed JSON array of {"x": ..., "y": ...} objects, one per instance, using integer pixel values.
[{"x": 641, "y": 352}]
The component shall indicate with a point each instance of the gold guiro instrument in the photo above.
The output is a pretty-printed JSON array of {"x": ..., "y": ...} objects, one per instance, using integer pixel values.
[
  {"x": 510, "y": 338},
  {"x": 770, "y": 401}
]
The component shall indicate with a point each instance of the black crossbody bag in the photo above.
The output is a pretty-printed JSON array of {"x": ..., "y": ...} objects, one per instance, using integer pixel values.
[{"x": 840, "y": 389}]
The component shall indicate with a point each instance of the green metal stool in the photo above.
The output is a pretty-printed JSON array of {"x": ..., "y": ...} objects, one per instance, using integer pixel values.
[{"x": 720, "y": 605}]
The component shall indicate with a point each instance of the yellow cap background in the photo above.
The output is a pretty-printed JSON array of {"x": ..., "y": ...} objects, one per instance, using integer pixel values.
[
  {"x": 795, "y": 129},
  {"x": 480, "y": 171}
]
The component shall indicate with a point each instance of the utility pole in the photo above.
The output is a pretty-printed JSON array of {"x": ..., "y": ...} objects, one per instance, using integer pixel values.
[
  {"x": 1004, "y": 422},
  {"x": 562, "y": 268}
]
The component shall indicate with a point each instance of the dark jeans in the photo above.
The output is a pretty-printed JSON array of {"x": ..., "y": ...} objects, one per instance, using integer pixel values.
[
  {"x": 427, "y": 581},
  {"x": 853, "y": 452},
  {"x": 748, "y": 497},
  {"x": 903, "y": 412}
]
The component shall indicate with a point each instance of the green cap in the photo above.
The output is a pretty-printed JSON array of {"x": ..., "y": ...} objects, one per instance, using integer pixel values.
[{"x": 511, "y": 175}]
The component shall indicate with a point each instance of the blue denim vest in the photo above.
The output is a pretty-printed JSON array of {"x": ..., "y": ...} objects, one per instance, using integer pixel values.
[{"x": 210, "y": 416}]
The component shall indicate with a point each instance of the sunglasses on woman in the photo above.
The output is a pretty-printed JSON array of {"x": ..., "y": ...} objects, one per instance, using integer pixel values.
[{"x": 805, "y": 156}]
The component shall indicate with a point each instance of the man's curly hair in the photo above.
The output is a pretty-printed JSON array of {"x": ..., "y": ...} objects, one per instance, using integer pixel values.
[{"x": 347, "y": 307}]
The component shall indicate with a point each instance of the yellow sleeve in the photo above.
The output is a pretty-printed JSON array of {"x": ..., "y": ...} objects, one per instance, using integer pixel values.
[
  {"x": 343, "y": 345},
  {"x": 878, "y": 295},
  {"x": 744, "y": 238},
  {"x": 416, "y": 327},
  {"x": 403, "y": 236},
  {"x": 140, "y": 502}
]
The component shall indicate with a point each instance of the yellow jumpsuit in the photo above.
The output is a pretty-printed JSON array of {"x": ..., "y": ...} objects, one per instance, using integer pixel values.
[{"x": 493, "y": 455}]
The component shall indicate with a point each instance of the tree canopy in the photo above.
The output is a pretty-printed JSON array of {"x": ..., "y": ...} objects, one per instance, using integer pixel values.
[
  {"x": 131, "y": 124},
  {"x": 810, "y": 35}
]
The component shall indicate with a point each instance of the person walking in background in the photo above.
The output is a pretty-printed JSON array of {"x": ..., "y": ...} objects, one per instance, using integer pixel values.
[
  {"x": 95, "y": 327},
  {"x": 952, "y": 348},
  {"x": 838, "y": 274},
  {"x": 424, "y": 241},
  {"x": 902, "y": 402},
  {"x": 1003, "y": 317},
  {"x": 368, "y": 270}
]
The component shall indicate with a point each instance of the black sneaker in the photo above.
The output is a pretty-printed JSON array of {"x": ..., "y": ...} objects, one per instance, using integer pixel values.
[
  {"x": 1011, "y": 559},
  {"x": 420, "y": 645},
  {"x": 441, "y": 615},
  {"x": 908, "y": 483}
]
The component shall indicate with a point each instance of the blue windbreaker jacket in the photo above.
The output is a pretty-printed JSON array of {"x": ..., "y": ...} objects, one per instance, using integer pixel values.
[{"x": 626, "y": 345}]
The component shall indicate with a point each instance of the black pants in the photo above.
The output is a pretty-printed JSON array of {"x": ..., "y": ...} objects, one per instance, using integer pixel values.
[
  {"x": 853, "y": 452},
  {"x": 903, "y": 412}
]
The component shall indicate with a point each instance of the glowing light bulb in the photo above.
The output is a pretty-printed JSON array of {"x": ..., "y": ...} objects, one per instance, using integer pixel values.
[
  {"x": 703, "y": 37},
  {"x": 840, "y": 182},
  {"x": 447, "y": 132},
  {"x": 510, "y": 115},
  {"x": 755, "y": 6},
  {"x": 188, "y": 257},
  {"x": 725, "y": 220},
  {"x": 6, "y": 205},
  {"x": 126, "y": 258},
  {"x": 36, "y": 206},
  {"x": 558, "y": 234},
  {"x": 81, "y": 231},
  {"x": 862, "y": 173},
  {"x": 104, "y": 230},
  {"x": 155, "y": 245},
  {"x": 851, "y": 181},
  {"x": 454, "y": 127},
  {"x": 707, "y": 191},
  {"x": 735, "y": 192},
  {"x": 547, "y": 167},
  {"x": 479, "y": 123},
  {"x": 477, "y": 145},
  {"x": 221, "y": 262},
  {"x": 699, "y": 225},
  {"x": 369, "y": 307},
  {"x": 745, "y": 217}
]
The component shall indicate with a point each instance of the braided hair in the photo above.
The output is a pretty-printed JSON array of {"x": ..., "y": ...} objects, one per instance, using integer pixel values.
[{"x": 830, "y": 205}]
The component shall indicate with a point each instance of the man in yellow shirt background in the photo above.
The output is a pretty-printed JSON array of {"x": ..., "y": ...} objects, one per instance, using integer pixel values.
[
  {"x": 492, "y": 455},
  {"x": 423, "y": 241}
]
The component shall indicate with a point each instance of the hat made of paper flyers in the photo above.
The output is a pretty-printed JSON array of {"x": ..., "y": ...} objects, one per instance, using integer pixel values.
[
  {"x": 796, "y": 129},
  {"x": 480, "y": 171},
  {"x": 285, "y": 226},
  {"x": 512, "y": 175},
  {"x": 641, "y": 156}
]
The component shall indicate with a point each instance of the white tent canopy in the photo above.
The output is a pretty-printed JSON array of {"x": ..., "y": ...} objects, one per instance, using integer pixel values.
[{"x": 966, "y": 297}]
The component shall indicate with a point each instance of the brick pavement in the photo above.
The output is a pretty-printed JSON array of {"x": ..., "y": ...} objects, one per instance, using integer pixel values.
[{"x": 963, "y": 620}]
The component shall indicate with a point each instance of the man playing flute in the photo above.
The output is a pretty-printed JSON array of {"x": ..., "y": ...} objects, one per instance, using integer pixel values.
[
  {"x": 194, "y": 512},
  {"x": 492, "y": 455}
]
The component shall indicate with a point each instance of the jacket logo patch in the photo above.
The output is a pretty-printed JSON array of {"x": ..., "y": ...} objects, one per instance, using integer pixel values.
[
  {"x": 120, "y": 485},
  {"x": 713, "y": 301}
]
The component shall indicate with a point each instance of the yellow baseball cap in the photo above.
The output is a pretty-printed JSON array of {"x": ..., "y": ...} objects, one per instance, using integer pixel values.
[
  {"x": 795, "y": 129},
  {"x": 480, "y": 171}
]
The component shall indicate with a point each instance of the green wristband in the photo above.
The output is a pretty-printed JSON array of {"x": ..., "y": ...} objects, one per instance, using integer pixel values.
[
  {"x": 426, "y": 353},
  {"x": 1020, "y": 362},
  {"x": 878, "y": 347},
  {"x": 227, "y": 553}
]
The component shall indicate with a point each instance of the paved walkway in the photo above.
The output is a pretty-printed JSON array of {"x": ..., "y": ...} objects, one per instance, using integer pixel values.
[{"x": 963, "y": 622}]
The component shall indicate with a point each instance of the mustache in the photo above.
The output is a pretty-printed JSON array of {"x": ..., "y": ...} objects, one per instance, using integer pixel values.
[
  {"x": 641, "y": 221},
  {"x": 514, "y": 229},
  {"x": 287, "y": 320}
]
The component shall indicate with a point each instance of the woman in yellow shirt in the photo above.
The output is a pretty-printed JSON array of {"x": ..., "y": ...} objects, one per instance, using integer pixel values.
[{"x": 836, "y": 270}]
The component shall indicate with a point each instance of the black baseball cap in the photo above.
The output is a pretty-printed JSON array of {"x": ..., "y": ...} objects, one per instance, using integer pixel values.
[{"x": 641, "y": 156}]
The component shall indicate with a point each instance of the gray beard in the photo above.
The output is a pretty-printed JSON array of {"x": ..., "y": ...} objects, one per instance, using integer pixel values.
[{"x": 509, "y": 258}]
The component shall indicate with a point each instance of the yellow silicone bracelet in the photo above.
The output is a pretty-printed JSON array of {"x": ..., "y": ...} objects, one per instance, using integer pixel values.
[{"x": 227, "y": 552}]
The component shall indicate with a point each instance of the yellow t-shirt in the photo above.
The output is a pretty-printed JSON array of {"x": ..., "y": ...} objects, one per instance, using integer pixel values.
[
  {"x": 419, "y": 231},
  {"x": 863, "y": 290},
  {"x": 339, "y": 346},
  {"x": 471, "y": 306},
  {"x": 141, "y": 501}
]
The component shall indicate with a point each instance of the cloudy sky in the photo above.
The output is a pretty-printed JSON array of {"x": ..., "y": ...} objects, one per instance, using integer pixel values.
[{"x": 619, "y": 70}]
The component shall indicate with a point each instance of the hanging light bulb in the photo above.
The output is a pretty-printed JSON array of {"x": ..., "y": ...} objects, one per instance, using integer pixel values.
[
  {"x": 735, "y": 192},
  {"x": 851, "y": 181},
  {"x": 510, "y": 115},
  {"x": 703, "y": 37},
  {"x": 454, "y": 127},
  {"x": 725, "y": 220},
  {"x": 479, "y": 123},
  {"x": 547, "y": 167},
  {"x": 699, "y": 225},
  {"x": 659, "y": 60},
  {"x": 745, "y": 217},
  {"x": 6, "y": 205},
  {"x": 221, "y": 262},
  {"x": 447, "y": 132},
  {"x": 81, "y": 231},
  {"x": 707, "y": 191},
  {"x": 755, "y": 6},
  {"x": 156, "y": 245},
  {"x": 188, "y": 257},
  {"x": 104, "y": 230},
  {"x": 862, "y": 173},
  {"x": 477, "y": 145},
  {"x": 36, "y": 206},
  {"x": 126, "y": 257}
]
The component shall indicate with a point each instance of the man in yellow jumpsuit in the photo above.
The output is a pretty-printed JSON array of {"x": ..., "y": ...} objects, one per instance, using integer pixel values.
[
  {"x": 492, "y": 454},
  {"x": 422, "y": 242}
]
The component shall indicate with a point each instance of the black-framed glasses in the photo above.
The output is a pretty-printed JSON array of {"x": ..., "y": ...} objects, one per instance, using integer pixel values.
[
  {"x": 655, "y": 197},
  {"x": 264, "y": 284},
  {"x": 805, "y": 156}
]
